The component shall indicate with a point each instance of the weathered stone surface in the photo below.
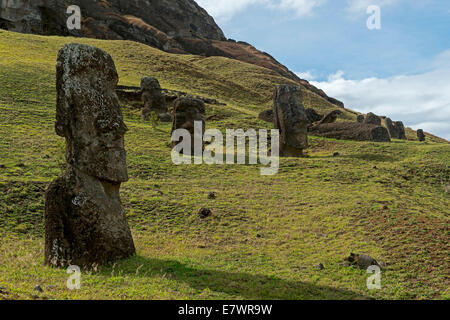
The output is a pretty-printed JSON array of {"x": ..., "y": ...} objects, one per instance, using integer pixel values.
[
  {"x": 396, "y": 129},
  {"x": 153, "y": 99},
  {"x": 362, "y": 261},
  {"x": 421, "y": 135},
  {"x": 351, "y": 131},
  {"x": 399, "y": 130},
  {"x": 331, "y": 117},
  {"x": 360, "y": 118},
  {"x": 313, "y": 116},
  {"x": 291, "y": 119},
  {"x": 389, "y": 125},
  {"x": 187, "y": 111},
  {"x": 85, "y": 222},
  {"x": 372, "y": 118},
  {"x": 266, "y": 115}
]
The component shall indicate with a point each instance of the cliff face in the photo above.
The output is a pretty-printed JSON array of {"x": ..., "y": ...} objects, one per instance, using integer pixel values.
[{"x": 175, "y": 26}]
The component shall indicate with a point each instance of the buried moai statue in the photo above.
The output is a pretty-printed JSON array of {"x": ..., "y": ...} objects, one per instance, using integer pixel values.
[
  {"x": 85, "y": 222},
  {"x": 421, "y": 135},
  {"x": 291, "y": 119},
  {"x": 154, "y": 100},
  {"x": 189, "y": 114}
]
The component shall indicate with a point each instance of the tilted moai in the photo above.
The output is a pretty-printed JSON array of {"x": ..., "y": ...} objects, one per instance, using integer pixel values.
[
  {"x": 85, "y": 223},
  {"x": 186, "y": 113},
  {"x": 153, "y": 99},
  {"x": 291, "y": 119},
  {"x": 331, "y": 117},
  {"x": 421, "y": 135}
]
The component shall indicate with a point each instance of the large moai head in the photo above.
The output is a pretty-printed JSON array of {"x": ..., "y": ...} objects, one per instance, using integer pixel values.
[
  {"x": 291, "y": 119},
  {"x": 421, "y": 135},
  {"x": 88, "y": 112},
  {"x": 152, "y": 97},
  {"x": 187, "y": 110},
  {"x": 400, "y": 130},
  {"x": 389, "y": 125}
]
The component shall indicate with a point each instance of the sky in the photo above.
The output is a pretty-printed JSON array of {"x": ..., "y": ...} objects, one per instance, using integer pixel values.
[{"x": 401, "y": 70}]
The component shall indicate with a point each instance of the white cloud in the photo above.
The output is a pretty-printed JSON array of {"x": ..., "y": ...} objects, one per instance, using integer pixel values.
[
  {"x": 360, "y": 6},
  {"x": 306, "y": 75},
  {"x": 223, "y": 10},
  {"x": 421, "y": 101}
]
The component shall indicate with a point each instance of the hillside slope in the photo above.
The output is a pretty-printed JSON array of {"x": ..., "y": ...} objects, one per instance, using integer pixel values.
[
  {"x": 175, "y": 26},
  {"x": 389, "y": 200}
]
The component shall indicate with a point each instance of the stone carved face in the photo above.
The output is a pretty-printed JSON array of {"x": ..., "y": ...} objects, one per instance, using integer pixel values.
[
  {"x": 187, "y": 111},
  {"x": 89, "y": 114},
  {"x": 291, "y": 117}
]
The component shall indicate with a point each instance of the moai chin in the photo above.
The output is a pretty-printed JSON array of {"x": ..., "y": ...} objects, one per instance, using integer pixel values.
[
  {"x": 85, "y": 222},
  {"x": 291, "y": 119}
]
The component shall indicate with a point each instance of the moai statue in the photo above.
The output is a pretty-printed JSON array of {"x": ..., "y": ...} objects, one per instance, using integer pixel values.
[
  {"x": 153, "y": 99},
  {"x": 372, "y": 118},
  {"x": 331, "y": 117},
  {"x": 399, "y": 128},
  {"x": 360, "y": 118},
  {"x": 291, "y": 119},
  {"x": 421, "y": 135},
  {"x": 389, "y": 125},
  {"x": 85, "y": 223},
  {"x": 186, "y": 113}
]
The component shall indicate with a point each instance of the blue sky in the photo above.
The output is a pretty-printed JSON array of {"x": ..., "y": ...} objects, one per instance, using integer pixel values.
[{"x": 401, "y": 70}]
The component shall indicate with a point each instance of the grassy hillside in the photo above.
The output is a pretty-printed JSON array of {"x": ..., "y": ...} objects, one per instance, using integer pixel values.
[{"x": 389, "y": 200}]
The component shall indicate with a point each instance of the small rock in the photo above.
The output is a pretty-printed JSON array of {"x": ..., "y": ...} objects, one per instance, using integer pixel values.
[
  {"x": 38, "y": 289},
  {"x": 362, "y": 261},
  {"x": 320, "y": 266},
  {"x": 258, "y": 235},
  {"x": 204, "y": 213},
  {"x": 336, "y": 154},
  {"x": 211, "y": 195}
]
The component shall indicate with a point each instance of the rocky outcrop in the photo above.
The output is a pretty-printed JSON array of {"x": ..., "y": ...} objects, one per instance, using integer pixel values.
[
  {"x": 85, "y": 222},
  {"x": 175, "y": 26},
  {"x": 291, "y": 119},
  {"x": 351, "y": 131}
]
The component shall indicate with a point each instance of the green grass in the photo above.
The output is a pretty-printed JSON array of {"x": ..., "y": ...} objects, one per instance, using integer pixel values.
[{"x": 389, "y": 200}]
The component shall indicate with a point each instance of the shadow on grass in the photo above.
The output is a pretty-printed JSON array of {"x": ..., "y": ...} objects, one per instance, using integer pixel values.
[{"x": 239, "y": 285}]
